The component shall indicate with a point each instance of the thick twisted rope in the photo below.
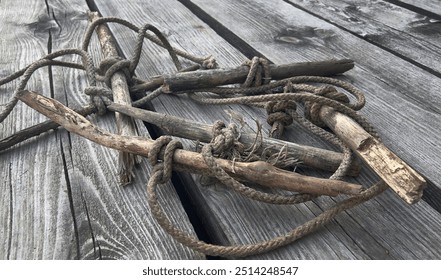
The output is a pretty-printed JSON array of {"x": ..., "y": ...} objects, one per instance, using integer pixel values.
[{"x": 161, "y": 174}]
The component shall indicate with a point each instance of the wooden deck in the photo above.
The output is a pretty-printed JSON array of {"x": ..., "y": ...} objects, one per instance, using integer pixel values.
[{"x": 59, "y": 193}]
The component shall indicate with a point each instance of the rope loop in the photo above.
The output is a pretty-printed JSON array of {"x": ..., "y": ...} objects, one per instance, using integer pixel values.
[
  {"x": 279, "y": 111},
  {"x": 312, "y": 109},
  {"x": 99, "y": 97},
  {"x": 165, "y": 146},
  {"x": 258, "y": 66}
]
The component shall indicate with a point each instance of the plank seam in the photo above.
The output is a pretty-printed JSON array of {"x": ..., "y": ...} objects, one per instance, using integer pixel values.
[
  {"x": 415, "y": 9},
  {"x": 366, "y": 39},
  {"x": 70, "y": 198},
  {"x": 222, "y": 31},
  {"x": 11, "y": 209}
]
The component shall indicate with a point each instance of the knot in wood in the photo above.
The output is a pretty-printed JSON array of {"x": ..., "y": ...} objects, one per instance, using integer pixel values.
[
  {"x": 278, "y": 111},
  {"x": 312, "y": 109}
]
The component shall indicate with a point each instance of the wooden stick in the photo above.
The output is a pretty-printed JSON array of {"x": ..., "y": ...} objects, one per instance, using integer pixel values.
[
  {"x": 307, "y": 155},
  {"x": 125, "y": 125},
  {"x": 405, "y": 181},
  {"x": 258, "y": 172},
  {"x": 217, "y": 77}
]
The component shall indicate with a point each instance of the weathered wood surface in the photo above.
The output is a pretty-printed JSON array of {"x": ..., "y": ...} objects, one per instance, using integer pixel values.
[
  {"x": 363, "y": 232},
  {"x": 431, "y": 6},
  {"x": 408, "y": 34},
  {"x": 381, "y": 75},
  {"x": 111, "y": 222},
  {"x": 60, "y": 196}
]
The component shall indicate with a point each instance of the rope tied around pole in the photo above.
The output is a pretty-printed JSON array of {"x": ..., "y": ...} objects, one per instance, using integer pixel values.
[
  {"x": 257, "y": 90},
  {"x": 162, "y": 173}
]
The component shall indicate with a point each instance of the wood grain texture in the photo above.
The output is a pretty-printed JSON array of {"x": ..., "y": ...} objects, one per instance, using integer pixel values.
[
  {"x": 408, "y": 34},
  {"x": 113, "y": 222},
  {"x": 35, "y": 216},
  {"x": 360, "y": 234},
  {"x": 61, "y": 194},
  {"x": 396, "y": 90},
  {"x": 432, "y": 6},
  {"x": 394, "y": 105}
]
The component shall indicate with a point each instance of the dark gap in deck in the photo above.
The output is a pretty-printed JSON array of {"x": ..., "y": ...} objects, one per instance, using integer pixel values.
[
  {"x": 432, "y": 195},
  {"x": 415, "y": 9},
  {"x": 11, "y": 212},
  {"x": 70, "y": 198},
  {"x": 222, "y": 31},
  {"x": 366, "y": 39},
  {"x": 180, "y": 187}
]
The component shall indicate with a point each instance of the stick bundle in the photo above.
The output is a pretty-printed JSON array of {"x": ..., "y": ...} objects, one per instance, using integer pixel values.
[{"x": 257, "y": 172}]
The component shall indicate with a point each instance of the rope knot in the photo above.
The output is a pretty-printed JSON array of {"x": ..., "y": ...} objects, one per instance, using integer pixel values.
[
  {"x": 209, "y": 63},
  {"x": 225, "y": 141},
  {"x": 99, "y": 97},
  {"x": 278, "y": 111},
  {"x": 165, "y": 146},
  {"x": 258, "y": 66},
  {"x": 111, "y": 65},
  {"x": 312, "y": 109}
]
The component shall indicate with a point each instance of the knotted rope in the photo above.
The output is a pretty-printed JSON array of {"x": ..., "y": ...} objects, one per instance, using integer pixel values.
[
  {"x": 257, "y": 90},
  {"x": 162, "y": 172}
]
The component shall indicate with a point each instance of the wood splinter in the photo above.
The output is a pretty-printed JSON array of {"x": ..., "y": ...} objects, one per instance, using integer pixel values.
[
  {"x": 405, "y": 181},
  {"x": 125, "y": 125},
  {"x": 258, "y": 172}
]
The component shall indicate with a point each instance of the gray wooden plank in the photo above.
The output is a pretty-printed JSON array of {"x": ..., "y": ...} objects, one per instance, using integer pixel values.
[
  {"x": 36, "y": 221},
  {"x": 408, "y": 34},
  {"x": 230, "y": 218},
  {"x": 282, "y": 32},
  {"x": 396, "y": 90},
  {"x": 76, "y": 208},
  {"x": 432, "y": 6}
]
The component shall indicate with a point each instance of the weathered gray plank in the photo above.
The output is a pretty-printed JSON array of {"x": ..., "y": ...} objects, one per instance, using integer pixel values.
[
  {"x": 274, "y": 28},
  {"x": 230, "y": 218},
  {"x": 77, "y": 208},
  {"x": 396, "y": 90},
  {"x": 406, "y": 33},
  {"x": 36, "y": 221},
  {"x": 433, "y": 6}
]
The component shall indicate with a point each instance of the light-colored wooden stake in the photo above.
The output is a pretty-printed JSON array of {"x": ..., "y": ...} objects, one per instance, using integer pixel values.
[
  {"x": 405, "y": 181},
  {"x": 258, "y": 172},
  {"x": 125, "y": 125}
]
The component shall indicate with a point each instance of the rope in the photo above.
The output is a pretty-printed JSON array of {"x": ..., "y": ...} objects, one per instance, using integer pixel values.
[
  {"x": 161, "y": 174},
  {"x": 107, "y": 68},
  {"x": 281, "y": 100}
]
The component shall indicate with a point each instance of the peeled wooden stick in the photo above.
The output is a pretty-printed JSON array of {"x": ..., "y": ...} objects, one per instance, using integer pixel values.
[
  {"x": 258, "y": 172},
  {"x": 172, "y": 125},
  {"x": 405, "y": 181},
  {"x": 125, "y": 125}
]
